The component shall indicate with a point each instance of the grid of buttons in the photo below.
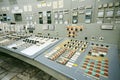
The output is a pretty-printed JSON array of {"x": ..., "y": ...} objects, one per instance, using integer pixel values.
[{"x": 95, "y": 68}]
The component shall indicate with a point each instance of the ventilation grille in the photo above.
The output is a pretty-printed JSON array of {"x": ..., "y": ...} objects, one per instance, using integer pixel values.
[{"x": 12, "y": 2}]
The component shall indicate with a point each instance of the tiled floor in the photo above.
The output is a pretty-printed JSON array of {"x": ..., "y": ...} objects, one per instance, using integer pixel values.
[{"x": 14, "y": 69}]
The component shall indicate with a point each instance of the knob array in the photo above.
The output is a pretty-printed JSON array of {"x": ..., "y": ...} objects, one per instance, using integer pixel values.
[{"x": 67, "y": 50}]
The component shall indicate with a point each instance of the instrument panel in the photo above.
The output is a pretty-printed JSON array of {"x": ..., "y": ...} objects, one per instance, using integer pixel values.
[
  {"x": 78, "y": 60},
  {"x": 73, "y": 58},
  {"x": 32, "y": 46},
  {"x": 67, "y": 36},
  {"x": 67, "y": 52}
]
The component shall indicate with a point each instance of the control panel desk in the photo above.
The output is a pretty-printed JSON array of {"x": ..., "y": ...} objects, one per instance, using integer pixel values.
[{"x": 75, "y": 60}]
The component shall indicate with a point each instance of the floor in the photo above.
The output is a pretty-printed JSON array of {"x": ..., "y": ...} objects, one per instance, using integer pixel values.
[{"x": 14, "y": 69}]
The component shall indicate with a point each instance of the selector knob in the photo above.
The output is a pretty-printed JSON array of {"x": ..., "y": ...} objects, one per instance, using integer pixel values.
[
  {"x": 107, "y": 46},
  {"x": 71, "y": 28},
  {"x": 84, "y": 45},
  {"x": 102, "y": 45},
  {"x": 70, "y": 46},
  {"x": 96, "y": 44},
  {"x": 23, "y": 40},
  {"x": 76, "y": 29},
  {"x": 82, "y": 48},
  {"x": 76, "y": 47},
  {"x": 68, "y": 42},
  {"x": 65, "y": 45},
  {"x": 92, "y": 43},
  {"x": 90, "y": 53},
  {"x": 73, "y": 43},
  {"x": 101, "y": 55},
  {"x": 76, "y": 40}
]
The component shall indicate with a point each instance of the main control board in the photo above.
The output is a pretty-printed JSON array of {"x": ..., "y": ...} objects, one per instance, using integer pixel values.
[
  {"x": 7, "y": 39},
  {"x": 79, "y": 60},
  {"x": 32, "y": 46},
  {"x": 73, "y": 58},
  {"x": 83, "y": 27}
]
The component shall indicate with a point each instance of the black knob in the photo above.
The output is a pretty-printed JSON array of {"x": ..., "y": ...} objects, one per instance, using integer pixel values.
[
  {"x": 76, "y": 29},
  {"x": 80, "y": 29},
  {"x": 76, "y": 40},
  {"x": 92, "y": 43},
  {"x": 102, "y": 45},
  {"x": 73, "y": 43},
  {"x": 96, "y": 44},
  {"x": 107, "y": 46},
  {"x": 73, "y": 32},
  {"x": 86, "y": 38},
  {"x": 89, "y": 53},
  {"x": 82, "y": 48},
  {"x": 24, "y": 40},
  {"x": 84, "y": 45},
  {"x": 101, "y": 55},
  {"x": 64, "y": 45}
]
